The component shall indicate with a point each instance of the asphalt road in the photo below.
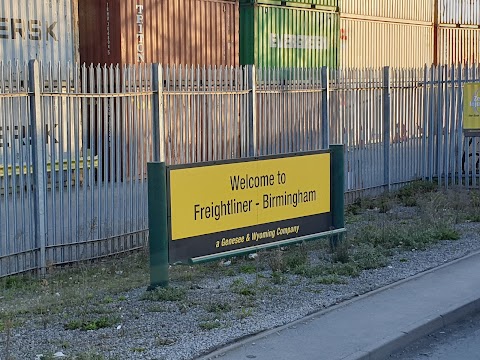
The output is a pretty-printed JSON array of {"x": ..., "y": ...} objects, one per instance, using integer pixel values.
[{"x": 459, "y": 341}]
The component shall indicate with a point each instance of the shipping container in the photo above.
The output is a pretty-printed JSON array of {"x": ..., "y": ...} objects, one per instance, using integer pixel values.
[
  {"x": 279, "y": 36},
  {"x": 458, "y": 45},
  {"x": 197, "y": 32},
  {"x": 322, "y": 4},
  {"x": 366, "y": 43},
  {"x": 413, "y": 10},
  {"x": 39, "y": 29},
  {"x": 462, "y": 12}
]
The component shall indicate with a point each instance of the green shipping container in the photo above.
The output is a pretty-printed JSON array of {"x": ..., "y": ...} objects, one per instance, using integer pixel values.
[{"x": 287, "y": 37}]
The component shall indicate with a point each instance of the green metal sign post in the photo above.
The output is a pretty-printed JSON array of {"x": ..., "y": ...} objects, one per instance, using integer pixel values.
[
  {"x": 337, "y": 173},
  {"x": 158, "y": 224}
]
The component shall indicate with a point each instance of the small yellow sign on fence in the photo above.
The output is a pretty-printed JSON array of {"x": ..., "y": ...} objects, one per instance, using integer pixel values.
[{"x": 471, "y": 109}]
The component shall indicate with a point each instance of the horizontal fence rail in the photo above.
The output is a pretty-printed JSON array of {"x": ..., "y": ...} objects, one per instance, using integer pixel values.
[{"x": 75, "y": 140}]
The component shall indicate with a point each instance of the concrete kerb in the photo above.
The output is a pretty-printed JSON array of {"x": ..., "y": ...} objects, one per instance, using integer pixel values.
[{"x": 384, "y": 348}]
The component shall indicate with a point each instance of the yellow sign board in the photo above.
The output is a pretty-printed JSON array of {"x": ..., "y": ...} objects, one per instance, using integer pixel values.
[
  {"x": 216, "y": 198},
  {"x": 471, "y": 107}
]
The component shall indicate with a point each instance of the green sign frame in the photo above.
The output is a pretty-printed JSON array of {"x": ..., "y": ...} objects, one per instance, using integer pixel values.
[{"x": 164, "y": 251}]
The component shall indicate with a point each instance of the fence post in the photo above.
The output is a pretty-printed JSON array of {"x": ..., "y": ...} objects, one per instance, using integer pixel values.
[
  {"x": 252, "y": 117},
  {"x": 158, "y": 124},
  {"x": 325, "y": 108},
  {"x": 386, "y": 125},
  {"x": 38, "y": 154}
]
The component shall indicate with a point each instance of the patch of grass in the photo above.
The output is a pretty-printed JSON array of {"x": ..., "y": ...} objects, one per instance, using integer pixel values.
[
  {"x": 88, "y": 356},
  {"x": 360, "y": 204},
  {"x": 473, "y": 218},
  {"x": 95, "y": 324},
  {"x": 409, "y": 194},
  {"x": 230, "y": 272},
  {"x": 165, "y": 294},
  {"x": 221, "y": 307},
  {"x": 385, "y": 203},
  {"x": 138, "y": 349},
  {"x": 369, "y": 257},
  {"x": 241, "y": 287},
  {"x": 19, "y": 282},
  {"x": 248, "y": 269},
  {"x": 107, "y": 300},
  {"x": 330, "y": 280},
  {"x": 339, "y": 269},
  {"x": 348, "y": 269},
  {"x": 446, "y": 233},
  {"x": 403, "y": 260},
  {"x": 295, "y": 257},
  {"x": 209, "y": 325}
]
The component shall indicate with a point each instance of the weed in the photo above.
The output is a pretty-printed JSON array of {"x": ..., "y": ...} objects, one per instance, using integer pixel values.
[
  {"x": 409, "y": 194},
  {"x": 278, "y": 278},
  {"x": 230, "y": 272},
  {"x": 183, "y": 274},
  {"x": 248, "y": 269},
  {"x": 276, "y": 261},
  {"x": 473, "y": 218},
  {"x": 296, "y": 257},
  {"x": 403, "y": 260},
  {"x": 156, "y": 308},
  {"x": 349, "y": 269},
  {"x": 446, "y": 233},
  {"x": 369, "y": 257},
  {"x": 139, "y": 349},
  {"x": 19, "y": 282},
  {"x": 341, "y": 252},
  {"x": 330, "y": 280},
  {"x": 162, "y": 341},
  {"x": 209, "y": 325},
  {"x": 89, "y": 356},
  {"x": 241, "y": 287},
  {"x": 107, "y": 300},
  {"x": 7, "y": 328},
  {"x": 243, "y": 313},
  {"x": 218, "y": 307},
  {"x": 165, "y": 294},
  {"x": 94, "y": 324}
]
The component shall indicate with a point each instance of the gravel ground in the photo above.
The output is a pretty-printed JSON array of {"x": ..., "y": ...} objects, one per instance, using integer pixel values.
[{"x": 178, "y": 329}]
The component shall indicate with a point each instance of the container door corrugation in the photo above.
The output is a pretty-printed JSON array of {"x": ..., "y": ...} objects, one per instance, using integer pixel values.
[
  {"x": 274, "y": 36},
  {"x": 462, "y": 12},
  {"x": 185, "y": 32},
  {"x": 173, "y": 32},
  {"x": 38, "y": 29},
  {"x": 365, "y": 44},
  {"x": 458, "y": 46},
  {"x": 414, "y": 10}
]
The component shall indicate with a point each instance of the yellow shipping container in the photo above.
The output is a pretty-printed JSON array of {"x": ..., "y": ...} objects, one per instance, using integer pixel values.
[{"x": 375, "y": 44}]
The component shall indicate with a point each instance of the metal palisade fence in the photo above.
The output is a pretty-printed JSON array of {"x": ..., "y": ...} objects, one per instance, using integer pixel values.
[{"x": 75, "y": 140}]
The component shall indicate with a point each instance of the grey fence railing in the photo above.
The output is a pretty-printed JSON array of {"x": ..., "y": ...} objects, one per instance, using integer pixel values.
[{"x": 75, "y": 141}]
